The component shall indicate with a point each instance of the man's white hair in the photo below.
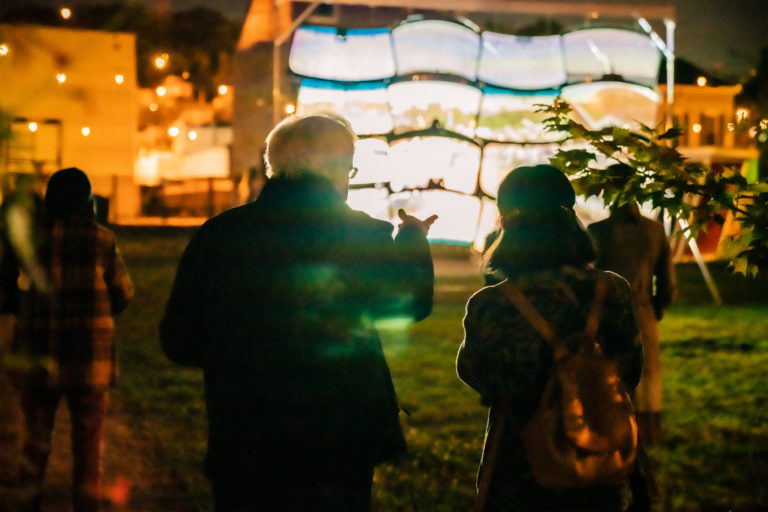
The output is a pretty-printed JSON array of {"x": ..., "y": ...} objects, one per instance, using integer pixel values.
[{"x": 317, "y": 143}]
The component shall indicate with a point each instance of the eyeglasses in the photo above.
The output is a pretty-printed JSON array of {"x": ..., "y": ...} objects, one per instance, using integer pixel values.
[{"x": 352, "y": 172}]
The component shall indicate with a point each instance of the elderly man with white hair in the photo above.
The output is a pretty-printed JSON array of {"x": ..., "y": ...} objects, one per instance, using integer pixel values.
[{"x": 277, "y": 301}]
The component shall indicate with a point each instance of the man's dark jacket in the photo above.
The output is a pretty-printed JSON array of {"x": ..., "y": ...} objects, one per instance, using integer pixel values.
[{"x": 276, "y": 301}]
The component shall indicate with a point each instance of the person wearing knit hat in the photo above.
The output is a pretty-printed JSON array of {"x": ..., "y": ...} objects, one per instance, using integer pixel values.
[
  {"x": 548, "y": 256},
  {"x": 64, "y": 332}
]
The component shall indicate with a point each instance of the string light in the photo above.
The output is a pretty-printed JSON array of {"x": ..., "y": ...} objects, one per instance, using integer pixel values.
[
  {"x": 742, "y": 114},
  {"x": 119, "y": 79},
  {"x": 153, "y": 107},
  {"x": 185, "y": 75},
  {"x": 701, "y": 81},
  {"x": 61, "y": 78},
  {"x": 3, "y": 50},
  {"x": 192, "y": 135},
  {"x": 85, "y": 130},
  {"x": 696, "y": 128},
  {"x": 290, "y": 108},
  {"x": 173, "y": 131},
  {"x": 161, "y": 91},
  {"x": 731, "y": 127},
  {"x": 65, "y": 12},
  {"x": 32, "y": 126},
  {"x": 223, "y": 89},
  {"x": 161, "y": 60}
]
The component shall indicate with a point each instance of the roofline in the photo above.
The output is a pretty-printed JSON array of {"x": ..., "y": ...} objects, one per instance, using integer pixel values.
[{"x": 521, "y": 7}]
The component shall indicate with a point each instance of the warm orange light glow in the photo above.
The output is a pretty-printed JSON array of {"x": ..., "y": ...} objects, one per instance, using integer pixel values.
[
  {"x": 153, "y": 107},
  {"x": 742, "y": 114},
  {"x": 764, "y": 124},
  {"x": 192, "y": 135},
  {"x": 290, "y": 108},
  {"x": 223, "y": 89},
  {"x": 61, "y": 78},
  {"x": 696, "y": 128},
  {"x": 173, "y": 131},
  {"x": 3, "y": 49},
  {"x": 185, "y": 75},
  {"x": 65, "y": 12},
  {"x": 701, "y": 81},
  {"x": 119, "y": 79},
  {"x": 32, "y": 126},
  {"x": 161, "y": 91},
  {"x": 161, "y": 60},
  {"x": 85, "y": 130},
  {"x": 595, "y": 15},
  {"x": 731, "y": 127}
]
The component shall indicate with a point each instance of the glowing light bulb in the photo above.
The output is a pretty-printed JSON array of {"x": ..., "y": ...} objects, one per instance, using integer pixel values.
[
  {"x": 173, "y": 131},
  {"x": 161, "y": 91},
  {"x": 192, "y": 135},
  {"x": 185, "y": 75},
  {"x": 161, "y": 60},
  {"x": 3, "y": 49},
  {"x": 223, "y": 89},
  {"x": 65, "y": 12},
  {"x": 595, "y": 15},
  {"x": 696, "y": 128},
  {"x": 153, "y": 107},
  {"x": 85, "y": 130},
  {"x": 731, "y": 127},
  {"x": 61, "y": 78},
  {"x": 290, "y": 108},
  {"x": 742, "y": 114},
  {"x": 119, "y": 79},
  {"x": 701, "y": 81},
  {"x": 32, "y": 126}
]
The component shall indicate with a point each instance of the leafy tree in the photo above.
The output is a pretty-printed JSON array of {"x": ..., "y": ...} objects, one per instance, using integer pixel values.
[{"x": 661, "y": 175}]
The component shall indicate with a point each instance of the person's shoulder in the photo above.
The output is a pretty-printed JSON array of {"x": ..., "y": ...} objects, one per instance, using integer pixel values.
[
  {"x": 484, "y": 296},
  {"x": 616, "y": 285},
  {"x": 375, "y": 226}
]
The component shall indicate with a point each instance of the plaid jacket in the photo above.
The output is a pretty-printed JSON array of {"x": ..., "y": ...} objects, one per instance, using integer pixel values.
[{"x": 65, "y": 325}]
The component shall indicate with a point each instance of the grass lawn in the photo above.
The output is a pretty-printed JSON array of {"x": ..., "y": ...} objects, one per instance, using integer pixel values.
[{"x": 714, "y": 456}]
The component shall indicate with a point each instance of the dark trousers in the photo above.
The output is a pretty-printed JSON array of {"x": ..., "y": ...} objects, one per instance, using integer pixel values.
[
  {"x": 342, "y": 490},
  {"x": 87, "y": 409}
]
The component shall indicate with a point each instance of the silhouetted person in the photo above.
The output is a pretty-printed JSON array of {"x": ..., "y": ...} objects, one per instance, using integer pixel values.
[
  {"x": 277, "y": 301},
  {"x": 637, "y": 248},
  {"x": 64, "y": 333},
  {"x": 547, "y": 255}
]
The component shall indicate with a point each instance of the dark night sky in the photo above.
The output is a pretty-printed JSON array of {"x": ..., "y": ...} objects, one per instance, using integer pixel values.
[{"x": 724, "y": 36}]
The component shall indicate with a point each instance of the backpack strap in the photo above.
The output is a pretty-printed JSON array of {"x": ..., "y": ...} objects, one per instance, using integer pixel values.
[
  {"x": 540, "y": 325},
  {"x": 530, "y": 313}
]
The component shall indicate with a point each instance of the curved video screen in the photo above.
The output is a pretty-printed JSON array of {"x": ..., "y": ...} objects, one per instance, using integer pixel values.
[
  {"x": 436, "y": 46},
  {"x": 351, "y": 55},
  {"x": 416, "y": 105},
  {"x": 591, "y": 54},
  {"x": 364, "y": 104},
  {"x": 458, "y": 214},
  {"x": 511, "y": 117},
  {"x": 446, "y": 162},
  {"x": 500, "y": 159},
  {"x": 602, "y": 104},
  {"x": 372, "y": 161},
  {"x": 521, "y": 62}
]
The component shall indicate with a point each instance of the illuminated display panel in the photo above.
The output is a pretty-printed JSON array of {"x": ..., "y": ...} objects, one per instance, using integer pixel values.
[
  {"x": 500, "y": 159},
  {"x": 511, "y": 117},
  {"x": 488, "y": 222},
  {"x": 592, "y": 53},
  {"x": 436, "y": 46},
  {"x": 365, "y": 104},
  {"x": 521, "y": 62},
  {"x": 602, "y": 104},
  {"x": 361, "y": 54},
  {"x": 372, "y": 162},
  {"x": 373, "y": 201},
  {"x": 414, "y": 105},
  {"x": 416, "y": 161},
  {"x": 458, "y": 214}
]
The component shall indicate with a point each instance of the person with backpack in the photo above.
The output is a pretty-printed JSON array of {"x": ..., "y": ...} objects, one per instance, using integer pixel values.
[{"x": 552, "y": 350}]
